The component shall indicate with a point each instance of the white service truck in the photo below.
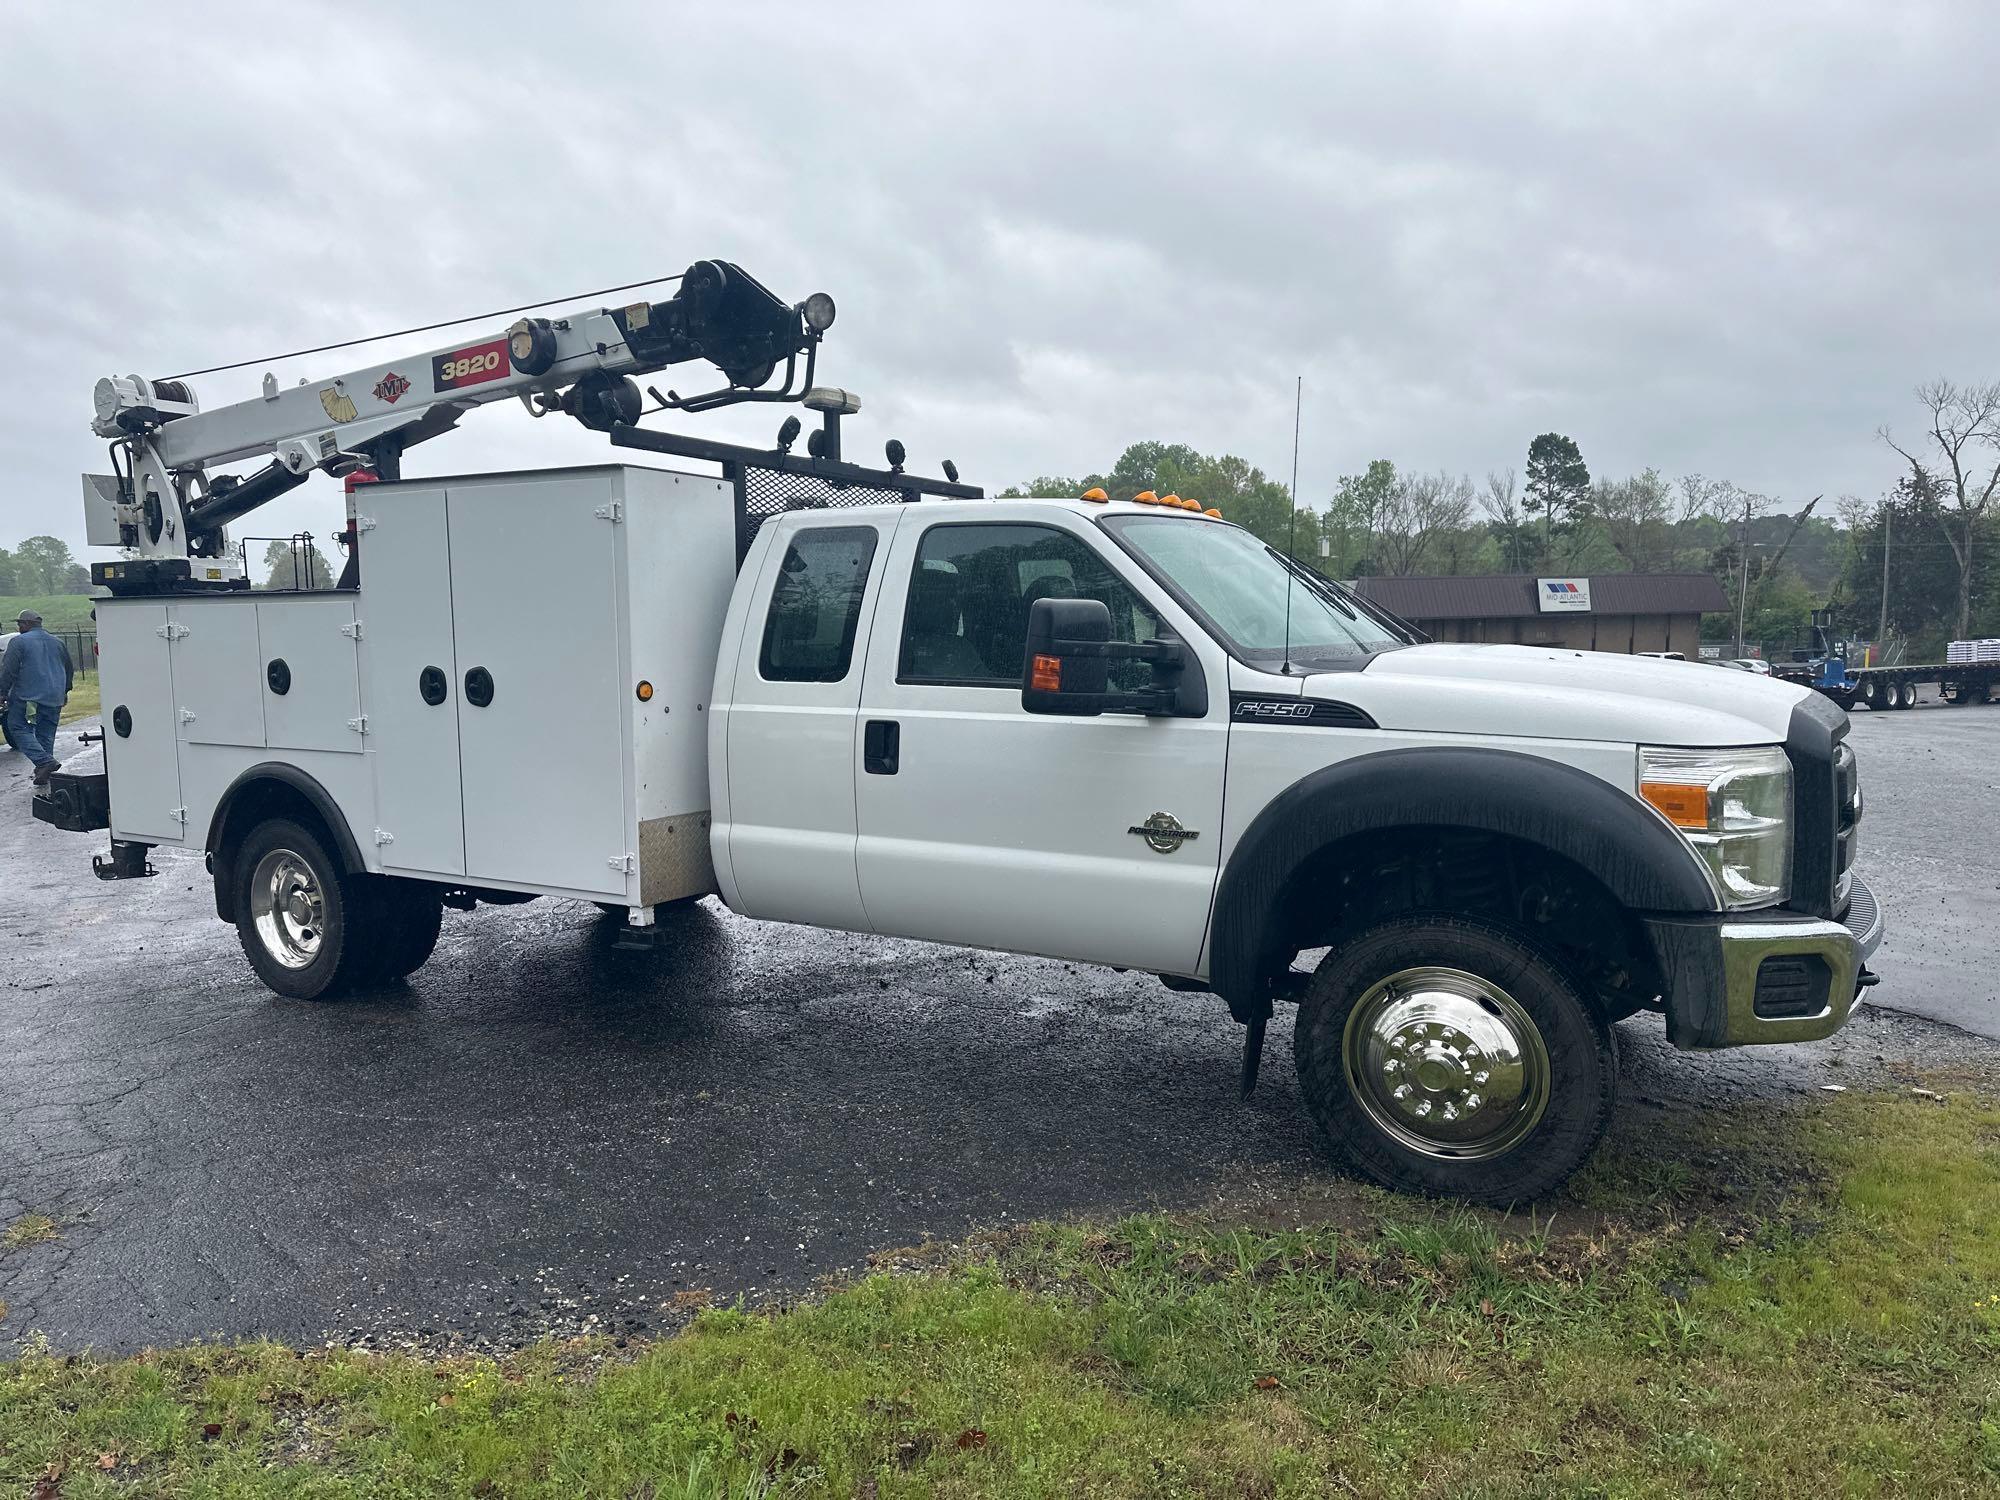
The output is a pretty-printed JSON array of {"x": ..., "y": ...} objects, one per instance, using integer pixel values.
[{"x": 1128, "y": 734}]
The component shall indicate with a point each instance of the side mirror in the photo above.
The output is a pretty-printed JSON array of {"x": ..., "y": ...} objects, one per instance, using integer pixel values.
[{"x": 1066, "y": 668}]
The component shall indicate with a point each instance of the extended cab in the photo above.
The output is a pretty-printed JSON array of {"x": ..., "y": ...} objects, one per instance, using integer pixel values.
[{"x": 1122, "y": 734}]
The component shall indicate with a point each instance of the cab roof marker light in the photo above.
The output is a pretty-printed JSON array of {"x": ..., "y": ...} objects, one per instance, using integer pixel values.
[
  {"x": 1145, "y": 497},
  {"x": 1095, "y": 495},
  {"x": 1213, "y": 513}
]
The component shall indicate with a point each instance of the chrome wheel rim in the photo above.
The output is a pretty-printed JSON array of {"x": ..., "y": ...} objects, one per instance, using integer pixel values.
[
  {"x": 1446, "y": 1063},
  {"x": 288, "y": 908}
]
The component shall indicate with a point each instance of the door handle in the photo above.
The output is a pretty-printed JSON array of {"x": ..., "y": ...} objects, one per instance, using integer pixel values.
[
  {"x": 881, "y": 746},
  {"x": 479, "y": 687}
]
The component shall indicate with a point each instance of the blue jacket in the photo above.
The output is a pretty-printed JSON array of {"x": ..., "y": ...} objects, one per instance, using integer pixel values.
[{"x": 37, "y": 668}]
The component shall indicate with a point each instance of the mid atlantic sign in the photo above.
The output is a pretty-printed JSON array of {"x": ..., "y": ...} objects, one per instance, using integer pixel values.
[{"x": 1563, "y": 595}]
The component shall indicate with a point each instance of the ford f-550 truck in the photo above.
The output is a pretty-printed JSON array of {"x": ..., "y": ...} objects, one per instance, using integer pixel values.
[{"x": 1128, "y": 734}]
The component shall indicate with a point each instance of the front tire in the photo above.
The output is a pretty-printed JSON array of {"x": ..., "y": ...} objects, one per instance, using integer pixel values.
[
  {"x": 1447, "y": 1056},
  {"x": 295, "y": 910}
]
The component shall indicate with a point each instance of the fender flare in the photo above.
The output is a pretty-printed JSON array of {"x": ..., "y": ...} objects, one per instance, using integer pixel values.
[
  {"x": 344, "y": 847},
  {"x": 1620, "y": 841}
]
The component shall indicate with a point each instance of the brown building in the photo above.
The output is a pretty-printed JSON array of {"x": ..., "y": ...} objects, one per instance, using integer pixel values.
[{"x": 1628, "y": 612}]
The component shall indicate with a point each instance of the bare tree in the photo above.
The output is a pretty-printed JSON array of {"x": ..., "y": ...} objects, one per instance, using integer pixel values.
[
  {"x": 1638, "y": 516},
  {"x": 1419, "y": 509},
  {"x": 1734, "y": 507},
  {"x": 1963, "y": 421},
  {"x": 1503, "y": 508}
]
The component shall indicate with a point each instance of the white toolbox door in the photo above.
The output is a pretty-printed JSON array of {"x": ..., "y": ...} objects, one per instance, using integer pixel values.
[
  {"x": 405, "y": 613},
  {"x": 313, "y": 637},
  {"x": 218, "y": 676},
  {"x": 534, "y": 593},
  {"x": 143, "y": 765}
]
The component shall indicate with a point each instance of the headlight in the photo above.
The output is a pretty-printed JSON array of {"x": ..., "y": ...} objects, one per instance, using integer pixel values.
[{"x": 1734, "y": 807}]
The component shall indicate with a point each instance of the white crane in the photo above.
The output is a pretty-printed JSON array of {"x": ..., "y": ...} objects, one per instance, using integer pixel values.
[{"x": 168, "y": 517}]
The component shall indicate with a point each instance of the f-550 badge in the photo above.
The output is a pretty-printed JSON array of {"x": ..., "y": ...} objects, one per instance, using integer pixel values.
[{"x": 1163, "y": 833}]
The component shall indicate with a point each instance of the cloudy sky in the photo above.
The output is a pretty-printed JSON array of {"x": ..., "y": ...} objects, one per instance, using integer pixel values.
[{"x": 1721, "y": 238}]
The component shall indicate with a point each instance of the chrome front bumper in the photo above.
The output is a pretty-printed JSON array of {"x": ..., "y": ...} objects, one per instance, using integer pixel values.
[{"x": 1767, "y": 977}]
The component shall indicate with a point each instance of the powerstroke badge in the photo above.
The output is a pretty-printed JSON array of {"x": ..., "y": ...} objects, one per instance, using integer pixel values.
[
  {"x": 1163, "y": 833},
  {"x": 470, "y": 366},
  {"x": 391, "y": 388}
]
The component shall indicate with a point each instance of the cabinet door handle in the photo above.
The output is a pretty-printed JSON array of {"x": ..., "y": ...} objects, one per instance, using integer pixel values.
[{"x": 479, "y": 687}]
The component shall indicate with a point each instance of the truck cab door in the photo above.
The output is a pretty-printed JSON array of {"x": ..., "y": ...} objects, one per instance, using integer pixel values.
[
  {"x": 983, "y": 824},
  {"x": 788, "y": 732}
]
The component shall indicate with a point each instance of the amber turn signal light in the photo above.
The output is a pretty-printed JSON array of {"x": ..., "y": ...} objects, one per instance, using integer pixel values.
[
  {"x": 645, "y": 691},
  {"x": 1045, "y": 676},
  {"x": 1682, "y": 805}
]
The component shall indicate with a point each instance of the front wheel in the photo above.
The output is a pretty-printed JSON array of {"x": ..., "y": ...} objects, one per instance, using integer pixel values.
[{"x": 1448, "y": 1056}]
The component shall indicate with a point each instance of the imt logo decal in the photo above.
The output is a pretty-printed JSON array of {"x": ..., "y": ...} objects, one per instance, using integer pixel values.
[{"x": 391, "y": 388}]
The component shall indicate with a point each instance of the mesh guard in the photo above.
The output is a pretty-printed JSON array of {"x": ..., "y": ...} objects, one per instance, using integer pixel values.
[{"x": 771, "y": 492}]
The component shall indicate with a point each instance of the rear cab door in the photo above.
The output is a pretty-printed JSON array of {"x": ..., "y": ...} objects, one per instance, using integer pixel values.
[{"x": 785, "y": 731}]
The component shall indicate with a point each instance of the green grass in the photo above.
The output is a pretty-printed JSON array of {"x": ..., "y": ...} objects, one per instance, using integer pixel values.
[
  {"x": 1809, "y": 1309},
  {"x": 84, "y": 699},
  {"x": 58, "y": 611},
  {"x": 29, "y": 1229}
]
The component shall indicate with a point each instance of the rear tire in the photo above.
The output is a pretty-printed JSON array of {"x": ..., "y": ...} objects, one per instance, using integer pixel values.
[
  {"x": 1448, "y": 1056},
  {"x": 407, "y": 916},
  {"x": 296, "y": 910}
]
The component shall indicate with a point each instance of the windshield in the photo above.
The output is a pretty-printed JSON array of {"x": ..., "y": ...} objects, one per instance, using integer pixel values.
[{"x": 1238, "y": 586}]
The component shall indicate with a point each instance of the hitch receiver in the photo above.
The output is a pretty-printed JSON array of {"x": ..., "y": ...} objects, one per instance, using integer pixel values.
[{"x": 126, "y": 861}]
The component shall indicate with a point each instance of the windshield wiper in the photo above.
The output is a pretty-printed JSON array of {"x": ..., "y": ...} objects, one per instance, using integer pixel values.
[{"x": 1317, "y": 582}]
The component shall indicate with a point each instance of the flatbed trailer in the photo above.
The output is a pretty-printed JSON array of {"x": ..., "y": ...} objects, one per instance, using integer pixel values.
[{"x": 1896, "y": 687}]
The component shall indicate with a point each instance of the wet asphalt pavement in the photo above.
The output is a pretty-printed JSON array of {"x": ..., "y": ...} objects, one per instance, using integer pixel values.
[{"x": 538, "y": 1133}]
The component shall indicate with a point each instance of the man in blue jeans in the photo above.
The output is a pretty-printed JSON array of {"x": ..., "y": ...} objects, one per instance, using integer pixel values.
[{"x": 36, "y": 673}]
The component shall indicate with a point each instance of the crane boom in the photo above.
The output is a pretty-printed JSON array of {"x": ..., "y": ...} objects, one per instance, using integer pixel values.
[{"x": 162, "y": 507}]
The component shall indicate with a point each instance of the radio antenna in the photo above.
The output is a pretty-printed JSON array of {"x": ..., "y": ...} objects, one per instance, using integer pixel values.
[{"x": 1292, "y": 527}]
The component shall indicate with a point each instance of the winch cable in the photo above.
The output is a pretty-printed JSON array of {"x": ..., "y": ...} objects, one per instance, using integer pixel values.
[{"x": 376, "y": 338}]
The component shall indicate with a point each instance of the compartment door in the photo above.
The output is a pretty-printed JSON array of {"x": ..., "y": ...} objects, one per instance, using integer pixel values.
[
  {"x": 307, "y": 643},
  {"x": 137, "y": 675},
  {"x": 535, "y": 610},
  {"x": 218, "y": 676},
  {"x": 412, "y": 682}
]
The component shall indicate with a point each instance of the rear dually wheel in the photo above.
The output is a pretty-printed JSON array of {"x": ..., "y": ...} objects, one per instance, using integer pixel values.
[{"x": 295, "y": 911}]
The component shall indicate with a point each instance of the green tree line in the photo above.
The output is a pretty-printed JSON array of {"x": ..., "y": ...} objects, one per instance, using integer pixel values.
[
  {"x": 1775, "y": 565},
  {"x": 42, "y": 565}
]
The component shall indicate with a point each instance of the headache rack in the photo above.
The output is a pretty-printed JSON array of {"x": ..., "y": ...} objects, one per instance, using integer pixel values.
[{"x": 772, "y": 481}]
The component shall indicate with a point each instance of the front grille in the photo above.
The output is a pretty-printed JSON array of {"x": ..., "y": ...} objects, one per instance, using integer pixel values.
[{"x": 1822, "y": 767}]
